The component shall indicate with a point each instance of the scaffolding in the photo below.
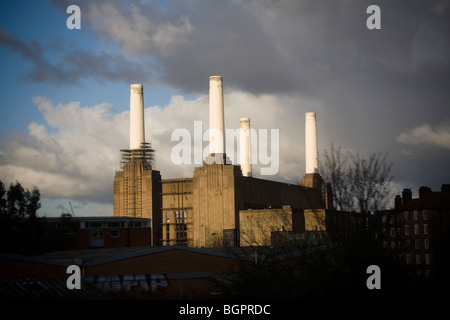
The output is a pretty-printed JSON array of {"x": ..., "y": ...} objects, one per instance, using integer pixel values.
[
  {"x": 144, "y": 155},
  {"x": 134, "y": 162}
]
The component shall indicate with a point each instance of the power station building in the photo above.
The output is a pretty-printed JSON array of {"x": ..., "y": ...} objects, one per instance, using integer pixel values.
[{"x": 212, "y": 208}]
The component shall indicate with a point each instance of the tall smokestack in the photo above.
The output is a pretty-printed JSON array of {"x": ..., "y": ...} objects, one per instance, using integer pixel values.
[
  {"x": 244, "y": 147},
  {"x": 137, "y": 131},
  {"x": 312, "y": 164},
  {"x": 216, "y": 118}
]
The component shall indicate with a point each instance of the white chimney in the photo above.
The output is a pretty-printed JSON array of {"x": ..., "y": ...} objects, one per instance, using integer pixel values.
[
  {"x": 216, "y": 118},
  {"x": 137, "y": 131},
  {"x": 244, "y": 147},
  {"x": 312, "y": 164}
]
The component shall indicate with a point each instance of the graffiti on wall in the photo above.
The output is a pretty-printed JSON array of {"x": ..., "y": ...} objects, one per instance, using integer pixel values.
[{"x": 145, "y": 282}]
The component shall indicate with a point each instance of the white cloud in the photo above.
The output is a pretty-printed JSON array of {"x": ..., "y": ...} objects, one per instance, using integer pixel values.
[
  {"x": 426, "y": 135},
  {"x": 72, "y": 155},
  {"x": 137, "y": 28}
]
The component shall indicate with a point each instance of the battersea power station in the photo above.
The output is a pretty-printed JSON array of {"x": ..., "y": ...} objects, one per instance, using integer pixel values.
[{"x": 221, "y": 204}]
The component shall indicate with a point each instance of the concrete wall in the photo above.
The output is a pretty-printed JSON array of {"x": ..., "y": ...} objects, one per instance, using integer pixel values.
[
  {"x": 256, "y": 226},
  {"x": 137, "y": 193},
  {"x": 214, "y": 203}
]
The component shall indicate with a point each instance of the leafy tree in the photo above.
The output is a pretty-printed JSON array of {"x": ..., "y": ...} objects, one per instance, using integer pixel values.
[
  {"x": 19, "y": 204},
  {"x": 18, "y": 217}
]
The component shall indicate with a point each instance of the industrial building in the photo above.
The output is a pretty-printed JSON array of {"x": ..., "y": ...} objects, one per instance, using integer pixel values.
[{"x": 205, "y": 210}]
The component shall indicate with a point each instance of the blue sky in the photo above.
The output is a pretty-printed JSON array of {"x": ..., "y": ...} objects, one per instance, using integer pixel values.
[
  {"x": 41, "y": 22},
  {"x": 64, "y": 94}
]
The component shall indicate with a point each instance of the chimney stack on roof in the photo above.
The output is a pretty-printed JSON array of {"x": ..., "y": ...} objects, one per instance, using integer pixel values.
[
  {"x": 423, "y": 190},
  {"x": 406, "y": 195}
]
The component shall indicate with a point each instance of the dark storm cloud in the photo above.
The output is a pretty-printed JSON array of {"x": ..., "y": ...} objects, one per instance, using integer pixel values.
[
  {"x": 71, "y": 66},
  {"x": 368, "y": 86},
  {"x": 272, "y": 46}
]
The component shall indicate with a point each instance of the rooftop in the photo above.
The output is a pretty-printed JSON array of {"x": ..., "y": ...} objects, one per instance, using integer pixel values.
[
  {"x": 92, "y": 257},
  {"x": 432, "y": 200}
]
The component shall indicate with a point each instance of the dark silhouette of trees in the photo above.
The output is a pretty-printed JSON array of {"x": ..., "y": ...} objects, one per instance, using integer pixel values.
[
  {"x": 22, "y": 231},
  {"x": 18, "y": 217},
  {"x": 359, "y": 184}
]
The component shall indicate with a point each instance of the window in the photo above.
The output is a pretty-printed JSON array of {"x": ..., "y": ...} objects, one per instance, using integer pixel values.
[
  {"x": 167, "y": 232},
  {"x": 416, "y": 214},
  {"x": 417, "y": 258},
  {"x": 425, "y": 214},
  {"x": 406, "y": 213},
  {"x": 94, "y": 224},
  {"x": 416, "y": 229},
  {"x": 114, "y": 233},
  {"x": 425, "y": 229},
  {"x": 113, "y": 224},
  {"x": 417, "y": 244},
  {"x": 407, "y": 230},
  {"x": 408, "y": 258},
  {"x": 407, "y": 244},
  {"x": 96, "y": 234},
  {"x": 392, "y": 244},
  {"x": 427, "y": 258},
  {"x": 391, "y": 219},
  {"x": 392, "y": 232},
  {"x": 426, "y": 243}
]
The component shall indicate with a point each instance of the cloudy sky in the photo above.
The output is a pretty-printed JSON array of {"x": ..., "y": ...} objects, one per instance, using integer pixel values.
[{"x": 64, "y": 94}]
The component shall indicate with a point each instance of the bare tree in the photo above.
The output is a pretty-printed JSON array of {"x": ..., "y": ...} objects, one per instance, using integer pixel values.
[{"x": 359, "y": 184}]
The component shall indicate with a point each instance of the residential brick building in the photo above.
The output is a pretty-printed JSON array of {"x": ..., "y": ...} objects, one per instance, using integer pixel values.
[{"x": 418, "y": 230}]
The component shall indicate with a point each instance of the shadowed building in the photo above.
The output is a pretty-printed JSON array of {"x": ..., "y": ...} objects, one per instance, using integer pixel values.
[{"x": 418, "y": 230}]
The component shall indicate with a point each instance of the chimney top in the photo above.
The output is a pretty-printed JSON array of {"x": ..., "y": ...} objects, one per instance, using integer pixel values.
[
  {"x": 398, "y": 201},
  {"x": 406, "y": 195},
  {"x": 311, "y": 115},
  {"x": 137, "y": 88},
  {"x": 424, "y": 190}
]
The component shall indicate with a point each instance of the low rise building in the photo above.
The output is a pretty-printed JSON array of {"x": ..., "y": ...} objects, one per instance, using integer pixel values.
[
  {"x": 102, "y": 231},
  {"x": 257, "y": 226}
]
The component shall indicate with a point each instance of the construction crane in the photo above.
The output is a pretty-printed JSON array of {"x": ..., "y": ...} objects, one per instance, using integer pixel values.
[{"x": 73, "y": 214}]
